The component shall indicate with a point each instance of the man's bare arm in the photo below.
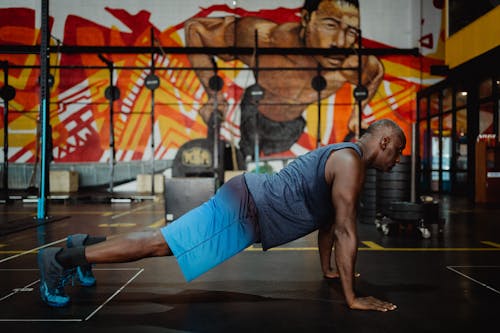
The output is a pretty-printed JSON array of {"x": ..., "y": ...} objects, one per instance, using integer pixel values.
[
  {"x": 347, "y": 184},
  {"x": 345, "y": 189},
  {"x": 325, "y": 244}
]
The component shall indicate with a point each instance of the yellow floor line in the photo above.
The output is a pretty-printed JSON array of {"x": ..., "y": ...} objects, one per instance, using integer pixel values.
[
  {"x": 121, "y": 225},
  {"x": 157, "y": 224},
  {"x": 372, "y": 245},
  {"x": 432, "y": 249},
  {"x": 251, "y": 248},
  {"x": 386, "y": 249},
  {"x": 491, "y": 243},
  {"x": 389, "y": 249}
]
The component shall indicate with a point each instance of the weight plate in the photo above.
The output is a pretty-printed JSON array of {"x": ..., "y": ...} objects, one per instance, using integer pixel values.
[
  {"x": 318, "y": 83},
  {"x": 370, "y": 186},
  {"x": 393, "y": 193},
  {"x": 370, "y": 178},
  {"x": 112, "y": 93},
  {"x": 405, "y": 206},
  {"x": 152, "y": 82},
  {"x": 393, "y": 184},
  {"x": 405, "y": 216},
  {"x": 7, "y": 93},
  {"x": 216, "y": 83},
  {"x": 360, "y": 93},
  {"x": 256, "y": 92},
  {"x": 394, "y": 176}
]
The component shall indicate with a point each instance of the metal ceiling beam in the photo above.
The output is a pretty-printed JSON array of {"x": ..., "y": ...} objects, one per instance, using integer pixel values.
[{"x": 67, "y": 49}]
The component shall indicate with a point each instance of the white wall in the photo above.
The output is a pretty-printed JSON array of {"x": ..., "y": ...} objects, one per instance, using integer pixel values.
[{"x": 392, "y": 22}]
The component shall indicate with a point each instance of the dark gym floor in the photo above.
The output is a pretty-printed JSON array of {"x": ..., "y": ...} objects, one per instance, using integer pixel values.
[{"x": 446, "y": 283}]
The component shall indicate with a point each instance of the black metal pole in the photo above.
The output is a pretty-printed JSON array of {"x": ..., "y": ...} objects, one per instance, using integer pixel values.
[
  {"x": 111, "y": 131},
  {"x": 111, "y": 93},
  {"x": 440, "y": 142},
  {"x": 257, "y": 136},
  {"x": 44, "y": 112},
  {"x": 5, "y": 179},
  {"x": 233, "y": 50},
  {"x": 360, "y": 83},
  {"x": 215, "y": 126},
  {"x": 318, "y": 134},
  {"x": 152, "y": 117}
]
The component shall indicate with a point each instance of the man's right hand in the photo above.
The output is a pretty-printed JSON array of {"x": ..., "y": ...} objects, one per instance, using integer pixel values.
[{"x": 371, "y": 303}]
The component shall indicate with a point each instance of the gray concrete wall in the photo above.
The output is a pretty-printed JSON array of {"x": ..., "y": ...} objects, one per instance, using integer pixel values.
[{"x": 89, "y": 174}]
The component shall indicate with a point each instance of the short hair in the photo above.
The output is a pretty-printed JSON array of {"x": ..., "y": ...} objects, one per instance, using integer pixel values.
[
  {"x": 312, "y": 5},
  {"x": 378, "y": 125}
]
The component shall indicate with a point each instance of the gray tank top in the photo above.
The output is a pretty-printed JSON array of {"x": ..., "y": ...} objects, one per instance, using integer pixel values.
[{"x": 295, "y": 201}]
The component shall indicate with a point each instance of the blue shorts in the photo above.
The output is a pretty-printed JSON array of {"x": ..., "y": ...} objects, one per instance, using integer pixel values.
[{"x": 215, "y": 231}]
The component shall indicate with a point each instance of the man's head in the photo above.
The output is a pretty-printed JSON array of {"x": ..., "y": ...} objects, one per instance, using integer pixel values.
[
  {"x": 312, "y": 5},
  {"x": 385, "y": 142},
  {"x": 330, "y": 23}
]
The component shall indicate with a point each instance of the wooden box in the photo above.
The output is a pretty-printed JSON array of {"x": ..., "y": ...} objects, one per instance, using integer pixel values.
[
  {"x": 144, "y": 183},
  {"x": 63, "y": 181}
]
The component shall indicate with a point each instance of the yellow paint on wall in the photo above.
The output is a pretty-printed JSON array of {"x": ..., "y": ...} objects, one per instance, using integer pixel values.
[{"x": 475, "y": 39}]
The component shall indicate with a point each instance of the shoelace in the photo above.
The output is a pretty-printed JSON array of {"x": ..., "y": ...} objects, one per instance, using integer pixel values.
[
  {"x": 68, "y": 274},
  {"x": 86, "y": 270}
]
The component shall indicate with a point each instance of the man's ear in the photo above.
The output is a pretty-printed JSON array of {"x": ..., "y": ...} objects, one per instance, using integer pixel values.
[{"x": 384, "y": 141}]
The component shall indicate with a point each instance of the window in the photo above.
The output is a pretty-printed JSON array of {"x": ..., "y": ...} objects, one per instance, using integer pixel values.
[
  {"x": 461, "y": 140},
  {"x": 485, "y": 88},
  {"x": 486, "y": 118},
  {"x": 434, "y": 107},
  {"x": 461, "y": 99},
  {"x": 447, "y": 99}
]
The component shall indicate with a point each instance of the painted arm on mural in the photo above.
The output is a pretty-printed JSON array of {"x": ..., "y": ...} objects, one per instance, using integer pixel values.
[
  {"x": 209, "y": 32},
  {"x": 221, "y": 32},
  {"x": 371, "y": 77}
]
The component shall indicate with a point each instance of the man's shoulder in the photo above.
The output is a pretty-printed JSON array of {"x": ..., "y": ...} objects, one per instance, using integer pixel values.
[
  {"x": 277, "y": 34},
  {"x": 343, "y": 158}
]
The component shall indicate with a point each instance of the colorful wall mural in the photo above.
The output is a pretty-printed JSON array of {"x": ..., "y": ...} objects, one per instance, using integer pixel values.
[{"x": 79, "y": 110}]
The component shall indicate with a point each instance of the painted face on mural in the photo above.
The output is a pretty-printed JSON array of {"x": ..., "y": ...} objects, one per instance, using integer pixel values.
[{"x": 334, "y": 24}]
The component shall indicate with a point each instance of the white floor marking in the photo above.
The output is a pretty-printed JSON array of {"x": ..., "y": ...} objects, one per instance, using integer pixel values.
[
  {"x": 27, "y": 288},
  {"x": 16, "y": 290},
  {"x": 112, "y": 296},
  {"x": 452, "y": 268},
  {"x": 32, "y": 250}
]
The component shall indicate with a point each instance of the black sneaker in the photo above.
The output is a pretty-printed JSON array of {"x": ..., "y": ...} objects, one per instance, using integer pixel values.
[
  {"x": 83, "y": 273},
  {"x": 53, "y": 278}
]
